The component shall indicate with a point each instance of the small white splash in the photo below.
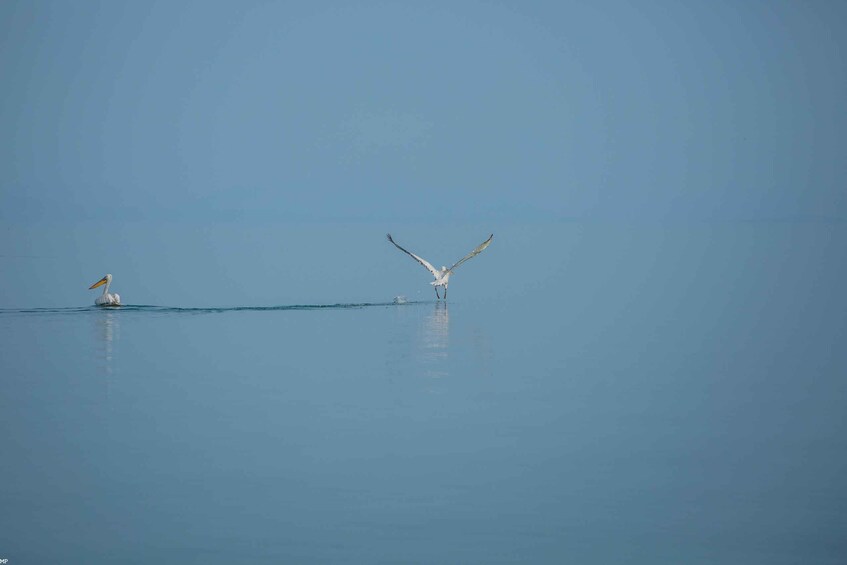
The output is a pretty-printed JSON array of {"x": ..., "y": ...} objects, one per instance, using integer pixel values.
[{"x": 400, "y": 300}]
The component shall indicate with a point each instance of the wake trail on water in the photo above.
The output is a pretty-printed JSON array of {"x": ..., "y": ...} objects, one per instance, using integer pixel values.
[{"x": 216, "y": 310}]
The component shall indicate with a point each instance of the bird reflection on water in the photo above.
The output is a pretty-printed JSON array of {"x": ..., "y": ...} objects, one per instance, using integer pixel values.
[
  {"x": 108, "y": 333},
  {"x": 434, "y": 341}
]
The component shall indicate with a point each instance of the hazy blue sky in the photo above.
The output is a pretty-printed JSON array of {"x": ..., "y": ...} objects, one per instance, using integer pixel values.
[{"x": 477, "y": 111}]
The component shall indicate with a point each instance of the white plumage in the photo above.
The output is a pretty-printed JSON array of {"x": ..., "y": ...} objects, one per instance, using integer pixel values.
[
  {"x": 106, "y": 299},
  {"x": 442, "y": 276}
]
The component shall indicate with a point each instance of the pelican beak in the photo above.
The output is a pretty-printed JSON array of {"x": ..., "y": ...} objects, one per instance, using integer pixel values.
[{"x": 98, "y": 283}]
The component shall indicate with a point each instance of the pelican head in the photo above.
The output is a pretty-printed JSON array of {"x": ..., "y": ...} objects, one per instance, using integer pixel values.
[
  {"x": 443, "y": 268},
  {"x": 105, "y": 280}
]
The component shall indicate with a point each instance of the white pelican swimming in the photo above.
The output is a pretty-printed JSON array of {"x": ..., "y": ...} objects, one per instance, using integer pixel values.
[
  {"x": 106, "y": 299},
  {"x": 442, "y": 277}
]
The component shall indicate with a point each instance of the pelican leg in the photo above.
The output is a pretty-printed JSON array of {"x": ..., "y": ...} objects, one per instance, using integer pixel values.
[
  {"x": 445, "y": 293},
  {"x": 436, "y": 293}
]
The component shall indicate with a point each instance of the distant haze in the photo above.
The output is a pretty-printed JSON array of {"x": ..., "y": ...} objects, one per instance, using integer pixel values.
[{"x": 255, "y": 111}]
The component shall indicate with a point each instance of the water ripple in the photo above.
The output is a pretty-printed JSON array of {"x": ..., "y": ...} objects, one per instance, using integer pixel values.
[{"x": 216, "y": 310}]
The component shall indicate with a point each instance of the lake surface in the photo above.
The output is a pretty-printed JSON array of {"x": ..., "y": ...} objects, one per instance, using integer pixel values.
[{"x": 591, "y": 393}]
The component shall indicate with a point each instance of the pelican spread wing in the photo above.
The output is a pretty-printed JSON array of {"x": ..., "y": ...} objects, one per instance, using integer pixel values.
[
  {"x": 479, "y": 249},
  {"x": 423, "y": 262}
]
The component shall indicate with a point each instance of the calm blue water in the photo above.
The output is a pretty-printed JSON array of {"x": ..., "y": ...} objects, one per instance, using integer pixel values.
[{"x": 590, "y": 394}]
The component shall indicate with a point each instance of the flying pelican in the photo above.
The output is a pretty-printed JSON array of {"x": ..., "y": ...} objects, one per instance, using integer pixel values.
[
  {"x": 106, "y": 299},
  {"x": 442, "y": 277}
]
